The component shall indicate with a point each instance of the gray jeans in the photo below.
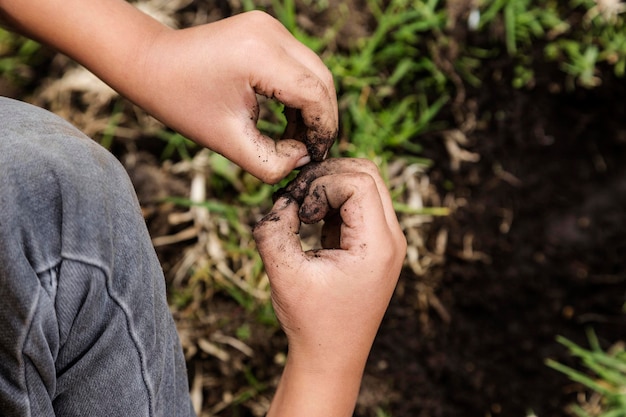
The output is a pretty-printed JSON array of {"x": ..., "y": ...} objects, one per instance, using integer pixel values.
[{"x": 85, "y": 329}]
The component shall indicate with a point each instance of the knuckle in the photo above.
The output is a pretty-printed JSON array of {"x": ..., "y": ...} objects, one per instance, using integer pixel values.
[
  {"x": 314, "y": 89},
  {"x": 259, "y": 17},
  {"x": 262, "y": 22},
  {"x": 329, "y": 79},
  {"x": 369, "y": 167},
  {"x": 362, "y": 180},
  {"x": 254, "y": 36},
  {"x": 365, "y": 179},
  {"x": 320, "y": 90},
  {"x": 356, "y": 182},
  {"x": 272, "y": 174}
]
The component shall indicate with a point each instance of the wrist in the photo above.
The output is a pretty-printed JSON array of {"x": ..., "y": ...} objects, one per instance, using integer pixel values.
[
  {"x": 117, "y": 49},
  {"x": 317, "y": 388}
]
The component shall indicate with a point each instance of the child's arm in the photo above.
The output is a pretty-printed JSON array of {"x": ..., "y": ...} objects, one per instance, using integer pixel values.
[{"x": 201, "y": 81}]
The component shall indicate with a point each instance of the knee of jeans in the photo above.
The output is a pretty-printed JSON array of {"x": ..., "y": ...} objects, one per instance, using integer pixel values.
[
  {"x": 33, "y": 134},
  {"x": 37, "y": 138},
  {"x": 60, "y": 188}
]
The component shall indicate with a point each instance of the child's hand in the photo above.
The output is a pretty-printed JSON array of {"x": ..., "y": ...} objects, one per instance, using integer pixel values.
[
  {"x": 330, "y": 302},
  {"x": 203, "y": 83}
]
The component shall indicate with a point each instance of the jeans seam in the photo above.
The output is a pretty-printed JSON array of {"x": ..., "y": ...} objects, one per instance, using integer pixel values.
[
  {"x": 129, "y": 326},
  {"x": 23, "y": 356}
]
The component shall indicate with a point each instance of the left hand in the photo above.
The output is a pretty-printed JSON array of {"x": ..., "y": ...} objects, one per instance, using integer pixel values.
[{"x": 330, "y": 301}]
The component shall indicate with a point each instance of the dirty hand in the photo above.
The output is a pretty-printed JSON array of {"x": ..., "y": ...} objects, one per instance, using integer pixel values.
[
  {"x": 204, "y": 82},
  {"x": 201, "y": 81},
  {"x": 330, "y": 301}
]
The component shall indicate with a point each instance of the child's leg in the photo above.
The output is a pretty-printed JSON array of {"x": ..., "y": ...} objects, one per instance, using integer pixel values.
[{"x": 85, "y": 329}]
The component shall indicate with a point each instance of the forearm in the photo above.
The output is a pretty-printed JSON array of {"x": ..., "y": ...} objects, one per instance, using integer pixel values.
[
  {"x": 202, "y": 81},
  {"x": 106, "y": 36}
]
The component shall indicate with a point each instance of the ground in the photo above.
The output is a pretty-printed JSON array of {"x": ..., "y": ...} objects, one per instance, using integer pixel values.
[
  {"x": 533, "y": 248},
  {"x": 546, "y": 208}
]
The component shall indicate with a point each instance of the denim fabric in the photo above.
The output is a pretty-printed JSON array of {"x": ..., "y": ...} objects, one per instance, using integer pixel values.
[{"x": 85, "y": 329}]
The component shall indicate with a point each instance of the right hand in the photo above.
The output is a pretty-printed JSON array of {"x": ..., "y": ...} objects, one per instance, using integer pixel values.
[
  {"x": 203, "y": 82},
  {"x": 200, "y": 81}
]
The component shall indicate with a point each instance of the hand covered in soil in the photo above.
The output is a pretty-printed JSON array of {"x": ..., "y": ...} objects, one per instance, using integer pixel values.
[
  {"x": 330, "y": 301},
  {"x": 201, "y": 81},
  {"x": 205, "y": 81}
]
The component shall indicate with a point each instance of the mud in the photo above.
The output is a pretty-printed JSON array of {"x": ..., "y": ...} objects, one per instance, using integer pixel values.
[
  {"x": 318, "y": 143},
  {"x": 299, "y": 186},
  {"x": 317, "y": 140},
  {"x": 314, "y": 205}
]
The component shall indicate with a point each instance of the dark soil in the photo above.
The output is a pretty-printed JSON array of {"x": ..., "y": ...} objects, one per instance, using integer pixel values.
[{"x": 546, "y": 206}]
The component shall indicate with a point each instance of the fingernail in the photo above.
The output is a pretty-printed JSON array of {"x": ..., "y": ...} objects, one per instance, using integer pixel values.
[
  {"x": 282, "y": 202},
  {"x": 303, "y": 161}
]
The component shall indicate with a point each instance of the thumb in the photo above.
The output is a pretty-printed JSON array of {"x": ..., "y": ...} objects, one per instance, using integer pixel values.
[{"x": 267, "y": 159}]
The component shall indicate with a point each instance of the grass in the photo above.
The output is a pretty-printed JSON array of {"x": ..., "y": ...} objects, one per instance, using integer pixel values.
[
  {"x": 385, "y": 82},
  {"x": 579, "y": 35},
  {"x": 604, "y": 377},
  {"x": 17, "y": 57}
]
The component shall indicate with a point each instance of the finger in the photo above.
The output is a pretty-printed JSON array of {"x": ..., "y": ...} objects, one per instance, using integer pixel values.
[
  {"x": 299, "y": 187},
  {"x": 355, "y": 198},
  {"x": 277, "y": 239},
  {"x": 267, "y": 159},
  {"x": 315, "y": 207},
  {"x": 310, "y": 60},
  {"x": 299, "y": 88},
  {"x": 319, "y": 125}
]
